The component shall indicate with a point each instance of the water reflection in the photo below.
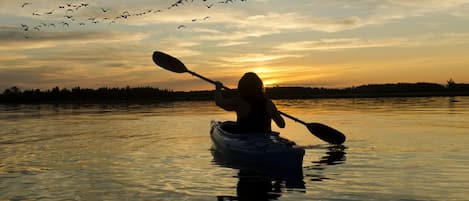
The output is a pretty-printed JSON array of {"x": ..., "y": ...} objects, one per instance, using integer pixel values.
[
  {"x": 256, "y": 183},
  {"x": 335, "y": 155}
]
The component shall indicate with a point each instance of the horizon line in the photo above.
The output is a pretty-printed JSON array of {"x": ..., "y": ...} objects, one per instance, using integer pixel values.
[{"x": 275, "y": 86}]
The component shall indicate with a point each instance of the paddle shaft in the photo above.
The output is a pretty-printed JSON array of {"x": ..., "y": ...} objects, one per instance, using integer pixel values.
[
  {"x": 206, "y": 79},
  {"x": 293, "y": 118},
  {"x": 223, "y": 86}
]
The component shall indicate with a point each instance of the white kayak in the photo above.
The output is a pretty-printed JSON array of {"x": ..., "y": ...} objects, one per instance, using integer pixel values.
[{"x": 267, "y": 150}]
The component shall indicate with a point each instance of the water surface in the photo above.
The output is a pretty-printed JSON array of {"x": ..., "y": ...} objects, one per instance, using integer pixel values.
[{"x": 397, "y": 149}]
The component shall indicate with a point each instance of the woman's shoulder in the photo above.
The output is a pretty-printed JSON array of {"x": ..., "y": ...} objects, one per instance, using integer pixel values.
[
  {"x": 268, "y": 101},
  {"x": 231, "y": 104},
  {"x": 269, "y": 104}
]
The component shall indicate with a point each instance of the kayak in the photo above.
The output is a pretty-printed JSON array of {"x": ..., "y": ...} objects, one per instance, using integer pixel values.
[{"x": 260, "y": 150}]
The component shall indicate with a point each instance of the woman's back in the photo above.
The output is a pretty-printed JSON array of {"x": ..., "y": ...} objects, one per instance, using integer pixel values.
[{"x": 253, "y": 117}]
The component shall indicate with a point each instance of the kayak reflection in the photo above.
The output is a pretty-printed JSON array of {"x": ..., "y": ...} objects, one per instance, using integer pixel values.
[
  {"x": 258, "y": 182},
  {"x": 262, "y": 183}
]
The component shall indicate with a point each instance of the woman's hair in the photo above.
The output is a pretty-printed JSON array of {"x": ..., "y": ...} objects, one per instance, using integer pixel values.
[{"x": 250, "y": 87}]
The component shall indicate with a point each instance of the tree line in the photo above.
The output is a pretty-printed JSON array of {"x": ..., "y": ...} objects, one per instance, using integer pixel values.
[
  {"x": 373, "y": 90},
  {"x": 78, "y": 94},
  {"x": 150, "y": 94}
]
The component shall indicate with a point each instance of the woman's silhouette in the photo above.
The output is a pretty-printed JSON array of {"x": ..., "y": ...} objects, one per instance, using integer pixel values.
[{"x": 254, "y": 111}]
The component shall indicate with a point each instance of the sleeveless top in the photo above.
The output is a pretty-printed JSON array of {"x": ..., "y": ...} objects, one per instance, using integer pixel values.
[{"x": 258, "y": 119}]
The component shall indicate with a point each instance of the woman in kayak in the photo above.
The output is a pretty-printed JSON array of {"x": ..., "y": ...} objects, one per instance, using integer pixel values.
[{"x": 254, "y": 111}]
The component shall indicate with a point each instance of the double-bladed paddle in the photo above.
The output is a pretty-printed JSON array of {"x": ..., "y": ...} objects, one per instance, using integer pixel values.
[{"x": 319, "y": 130}]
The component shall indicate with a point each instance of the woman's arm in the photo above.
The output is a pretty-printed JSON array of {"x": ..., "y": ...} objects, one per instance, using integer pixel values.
[
  {"x": 272, "y": 110},
  {"x": 225, "y": 103}
]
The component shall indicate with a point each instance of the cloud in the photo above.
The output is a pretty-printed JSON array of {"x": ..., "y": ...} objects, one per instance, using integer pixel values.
[
  {"x": 332, "y": 44},
  {"x": 175, "y": 46},
  {"x": 429, "y": 4},
  {"x": 462, "y": 12},
  {"x": 335, "y": 44},
  {"x": 255, "y": 58},
  {"x": 232, "y": 43},
  {"x": 14, "y": 39},
  {"x": 274, "y": 22}
]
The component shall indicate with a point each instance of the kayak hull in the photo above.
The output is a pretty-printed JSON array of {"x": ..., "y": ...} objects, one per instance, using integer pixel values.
[{"x": 259, "y": 150}]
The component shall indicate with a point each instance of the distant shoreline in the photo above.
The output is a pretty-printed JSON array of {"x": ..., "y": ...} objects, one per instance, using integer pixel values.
[{"x": 106, "y": 95}]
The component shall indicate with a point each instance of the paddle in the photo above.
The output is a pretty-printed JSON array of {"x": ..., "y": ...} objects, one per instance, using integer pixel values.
[{"x": 321, "y": 131}]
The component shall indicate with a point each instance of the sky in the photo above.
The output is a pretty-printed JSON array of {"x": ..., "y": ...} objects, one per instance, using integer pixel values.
[{"x": 311, "y": 43}]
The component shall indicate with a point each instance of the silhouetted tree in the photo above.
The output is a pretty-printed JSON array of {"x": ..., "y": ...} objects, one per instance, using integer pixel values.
[{"x": 450, "y": 84}]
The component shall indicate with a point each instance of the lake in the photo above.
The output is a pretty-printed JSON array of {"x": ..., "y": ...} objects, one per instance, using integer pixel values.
[{"x": 410, "y": 149}]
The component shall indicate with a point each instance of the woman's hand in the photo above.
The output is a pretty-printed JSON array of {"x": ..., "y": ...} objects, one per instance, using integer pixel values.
[{"x": 218, "y": 85}]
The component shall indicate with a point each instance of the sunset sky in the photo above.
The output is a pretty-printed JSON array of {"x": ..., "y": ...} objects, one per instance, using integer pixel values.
[{"x": 317, "y": 43}]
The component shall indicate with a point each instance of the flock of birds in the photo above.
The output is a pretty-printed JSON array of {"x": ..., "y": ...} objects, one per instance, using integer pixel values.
[{"x": 70, "y": 13}]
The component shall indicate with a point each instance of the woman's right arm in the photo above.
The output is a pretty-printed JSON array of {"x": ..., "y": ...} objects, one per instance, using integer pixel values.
[
  {"x": 278, "y": 119},
  {"x": 225, "y": 103}
]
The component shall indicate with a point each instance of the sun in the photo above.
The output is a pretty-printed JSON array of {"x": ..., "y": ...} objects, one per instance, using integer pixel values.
[
  {"x": 270, "y": 82},
  {"x": 267, "y": 75}
]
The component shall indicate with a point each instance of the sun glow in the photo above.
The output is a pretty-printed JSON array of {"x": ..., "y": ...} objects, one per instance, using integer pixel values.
[
  {"x": 270, "y": 82},
  {"x": 267, "y": 75}
]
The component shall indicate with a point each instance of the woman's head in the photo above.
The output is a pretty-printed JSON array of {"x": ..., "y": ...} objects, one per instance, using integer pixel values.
[{"x": 250, "y": 86}]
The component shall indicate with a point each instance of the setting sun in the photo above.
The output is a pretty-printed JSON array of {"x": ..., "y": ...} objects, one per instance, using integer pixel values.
[
  {"x": 268, "y": 76},
  {"x": 270, "y": 83}
]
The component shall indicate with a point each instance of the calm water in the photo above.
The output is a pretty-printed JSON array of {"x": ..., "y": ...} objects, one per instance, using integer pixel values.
[{"x": 397, "y": 149}]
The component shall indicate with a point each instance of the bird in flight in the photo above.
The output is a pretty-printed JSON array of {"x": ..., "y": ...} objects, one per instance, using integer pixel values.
[
  {"x": 226, "y": 1},
  {"x": 125, "y": 14},
  {"x": 25, "y": 4},
  {"x": 181, "y": 26},
  {"x": 105, "y": 10},
  {"x": 65, "y": 24},
  {"x": 25, "y": 27}
]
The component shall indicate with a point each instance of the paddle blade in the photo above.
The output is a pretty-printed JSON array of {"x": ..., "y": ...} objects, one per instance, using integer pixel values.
[
  {"x": 326, "y": 133},
  {"x": 168, "y": 62}
]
